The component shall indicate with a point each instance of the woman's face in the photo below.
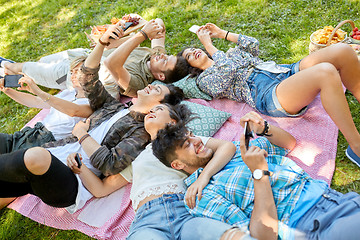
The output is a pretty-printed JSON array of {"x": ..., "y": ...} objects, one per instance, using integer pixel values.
[
  {"x": 157, "y": 118},
  {"x": 195, "y": 57},
  {"x": 75, "y": 75}
]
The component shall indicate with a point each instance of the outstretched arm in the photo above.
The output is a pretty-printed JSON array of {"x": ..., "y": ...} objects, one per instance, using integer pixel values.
[
  {"x": 116, "y": 60},
  {"x": 223, "y": 153},
  {"x": 276, "y": 135},
  {"x": 43, "y": 99},
  {"x": 264, "y": 219},
  {"x": 97, "y": 187}
]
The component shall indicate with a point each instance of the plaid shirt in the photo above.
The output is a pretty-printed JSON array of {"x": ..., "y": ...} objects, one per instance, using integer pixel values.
[
  {"x": 126, "y": 138},
  {"x": 227, "y": 77},
  {"x": 229, "y": 196}
]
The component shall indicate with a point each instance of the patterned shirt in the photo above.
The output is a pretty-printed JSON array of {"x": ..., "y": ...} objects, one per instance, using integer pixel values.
[
  {"x": 227, "y": 77},
  {"x": 126, "y": 138},
  {"x": 229, "y": 196}
]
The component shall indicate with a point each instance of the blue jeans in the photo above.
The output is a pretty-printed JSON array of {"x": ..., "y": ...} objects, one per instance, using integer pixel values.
[
  {"x": 167, "y": 218},
  {"x": 263, "y": 85},
  {"x": 335, "y": 216}
]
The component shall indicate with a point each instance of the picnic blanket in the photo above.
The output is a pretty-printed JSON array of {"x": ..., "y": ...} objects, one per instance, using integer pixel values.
[{"x": 315, "y": 152}]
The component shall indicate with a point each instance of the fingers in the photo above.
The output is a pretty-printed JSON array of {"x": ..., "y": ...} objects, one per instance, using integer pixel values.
[
  {"x": 190, "y": 197},
  {"x": 242, "y": 144},
  {"x": 72, "y": 164}
]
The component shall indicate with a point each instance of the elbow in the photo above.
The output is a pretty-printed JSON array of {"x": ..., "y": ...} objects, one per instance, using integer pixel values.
[
  {"x": 107, "y": 62},
  {"x": 291, "y": 143}
]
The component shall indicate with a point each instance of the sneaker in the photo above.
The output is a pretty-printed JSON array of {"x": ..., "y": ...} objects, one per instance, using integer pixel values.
[
  {"x": 6, "y": 60},
  {"x": 352, "y": 156}
]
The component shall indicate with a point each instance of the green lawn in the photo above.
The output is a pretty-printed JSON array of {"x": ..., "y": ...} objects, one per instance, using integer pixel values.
[{"x": 32, "y": 29}]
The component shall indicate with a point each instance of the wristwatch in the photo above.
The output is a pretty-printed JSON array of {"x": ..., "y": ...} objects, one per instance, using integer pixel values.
[{"x": 258, "y": 173}]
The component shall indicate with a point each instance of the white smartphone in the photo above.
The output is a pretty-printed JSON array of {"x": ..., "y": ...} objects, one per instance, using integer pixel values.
[{"x": 194, "y": 28}]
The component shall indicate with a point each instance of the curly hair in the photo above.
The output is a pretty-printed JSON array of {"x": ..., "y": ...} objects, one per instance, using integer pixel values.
[{"x": 167, "y": 141}]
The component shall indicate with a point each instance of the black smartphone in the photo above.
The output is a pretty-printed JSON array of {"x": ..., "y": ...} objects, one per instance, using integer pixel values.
[
  {"x": 12, "y": 80},
  {"x": 248, "y": 134},
  {"x": 78, "y": 160},
  {"x": 127, "y": 25}
]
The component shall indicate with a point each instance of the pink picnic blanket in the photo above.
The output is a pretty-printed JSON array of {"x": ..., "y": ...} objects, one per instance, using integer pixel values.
[{"x": 315, "y": 152}]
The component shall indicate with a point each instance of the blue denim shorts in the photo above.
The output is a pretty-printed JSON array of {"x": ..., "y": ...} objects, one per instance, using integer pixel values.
[
  {"x": 263, "y": 85},
  {"x": 167, "y": 218},
  {"x": 334, "y": 216}
]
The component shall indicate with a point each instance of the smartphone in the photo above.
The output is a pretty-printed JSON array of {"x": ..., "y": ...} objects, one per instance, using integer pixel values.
[
  {"x": 127, "y": 25},
  {"x": 78, "y": 160},
  {"x": 248, "y": 134},
  {"x": 12, "y": 80},
  {"x": 194, "y": 28}
]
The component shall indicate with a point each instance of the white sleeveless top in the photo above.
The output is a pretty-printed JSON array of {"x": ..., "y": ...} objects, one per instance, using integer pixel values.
[{"x": 151, "y": 177}]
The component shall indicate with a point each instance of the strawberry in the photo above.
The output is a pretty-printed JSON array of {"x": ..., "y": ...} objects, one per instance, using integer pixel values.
[{"x": 355, "y": 29}]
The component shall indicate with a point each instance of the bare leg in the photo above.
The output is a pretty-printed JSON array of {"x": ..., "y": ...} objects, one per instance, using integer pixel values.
[
  {"x": 299, "y": 90},
  {"x": 345, "y": 61},
  {"x": 5, "y": 201},
  {"x": 37, "y": 160},
  {"x": 13, "y": 68}
]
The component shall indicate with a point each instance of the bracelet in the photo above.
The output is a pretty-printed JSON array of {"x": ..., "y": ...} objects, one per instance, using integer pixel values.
[
  {"x": 103, "y": 43},
  {"x": 265, "y": 132},
  {"x": 48, "y": 98},
  {"x": 226, "y": 35},
  {"x": 144, "y": 34},
  {"x": 83, "y": 138}
]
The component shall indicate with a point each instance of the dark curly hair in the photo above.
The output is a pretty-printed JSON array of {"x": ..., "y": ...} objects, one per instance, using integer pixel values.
[
  {"x": 167, "y": 141},
  {"x": 193, "y": 71}
]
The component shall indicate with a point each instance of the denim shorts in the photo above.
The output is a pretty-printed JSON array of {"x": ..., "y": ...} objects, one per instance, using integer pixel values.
[
  {"x": 167, "y": 218},
  {"x": 263, "y": 85},
  {"x": 334, "y": 216}
]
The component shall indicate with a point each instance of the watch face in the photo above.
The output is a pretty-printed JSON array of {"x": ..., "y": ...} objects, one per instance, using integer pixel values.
[{"x": 258, "y": 174}]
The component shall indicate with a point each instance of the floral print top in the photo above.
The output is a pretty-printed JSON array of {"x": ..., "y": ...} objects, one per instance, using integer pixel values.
[{"x": 227, "y": 77}]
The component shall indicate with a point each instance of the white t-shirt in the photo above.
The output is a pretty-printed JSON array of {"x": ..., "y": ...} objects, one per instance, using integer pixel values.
[
  {"x": 61, "y": 124},
  {"x": 62, "y": 153},
  {"x": 149, "y": 176}
]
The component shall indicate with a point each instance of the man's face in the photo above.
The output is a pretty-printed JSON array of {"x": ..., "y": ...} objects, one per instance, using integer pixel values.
[
  {"x": 160, "y": 63},
  {"x": 153, "y": 94},
  {"x": 193, "y": 152}
]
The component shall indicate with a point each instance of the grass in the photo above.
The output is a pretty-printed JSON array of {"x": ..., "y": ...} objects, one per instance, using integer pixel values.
[{"x": 32, "y": 29}]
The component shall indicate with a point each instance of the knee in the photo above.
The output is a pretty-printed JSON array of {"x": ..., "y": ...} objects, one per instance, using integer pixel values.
[
  {"x": 37, "y": 160},
  {"x": 342, "y": 50},
  {"x": 327, "y": 73}
]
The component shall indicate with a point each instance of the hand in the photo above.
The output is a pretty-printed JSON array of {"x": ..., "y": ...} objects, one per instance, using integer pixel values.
[
  {"x": 29, "y": 85},
  {"x": 81, "y": 128},
  {"x": 161, "y": 24},
  {"x": 153, "y": 30},
  {"x": 2, "y": 88},
  {"x": 114, "y": 32},
  {"x": 255, "y": 120},
  {"x": 254, "y": 157},
  {"x": 215, "y": 31},
  {"x": 72, "y": 164},
  {"x": 204, "y": 35},
  {"x": 196, "y": 189}
]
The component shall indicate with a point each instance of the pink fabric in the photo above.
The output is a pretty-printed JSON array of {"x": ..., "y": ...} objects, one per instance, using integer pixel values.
[{"x": 315, "y": 152}]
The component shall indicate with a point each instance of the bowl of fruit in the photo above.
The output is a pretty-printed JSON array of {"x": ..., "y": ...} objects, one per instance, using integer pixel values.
[{"x": 355, "y": 36}]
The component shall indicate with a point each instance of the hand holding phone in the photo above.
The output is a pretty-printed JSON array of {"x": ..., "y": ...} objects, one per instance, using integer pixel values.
[
  {"x": 194, "y": 28},
  {"x": 78, "y": 160},
  {"x": 248, "y": 134},
  {"x": 12, "y": 81}
]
